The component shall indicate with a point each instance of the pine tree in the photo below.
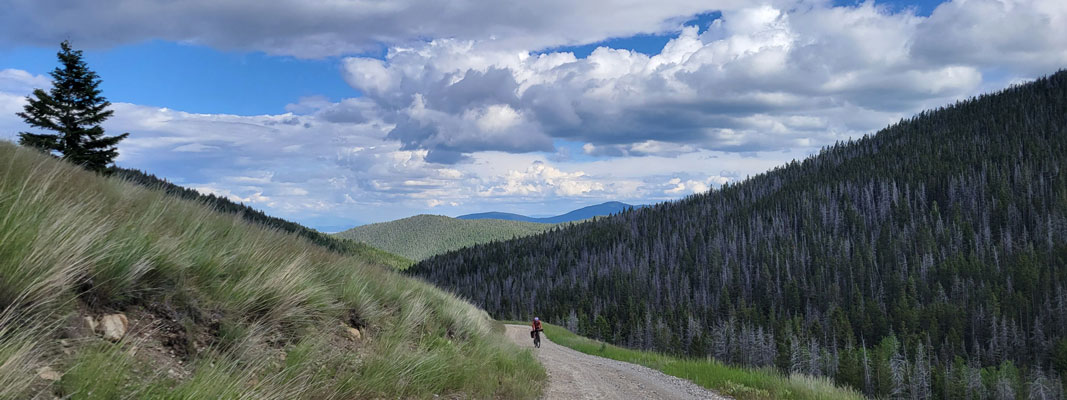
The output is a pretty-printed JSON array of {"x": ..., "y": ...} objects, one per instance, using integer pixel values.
[{"x": 74, "y": 109}]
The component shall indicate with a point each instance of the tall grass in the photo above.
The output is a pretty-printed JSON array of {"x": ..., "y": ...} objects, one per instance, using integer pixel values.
[
  {"x": 21, "y": 353},
  {"x": 740, "y": 383},
  {"x": 101, "y": 371},
  {"x": 270, "y": 307}
]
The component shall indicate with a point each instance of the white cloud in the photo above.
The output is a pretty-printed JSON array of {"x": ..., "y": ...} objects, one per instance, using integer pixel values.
[
  {"x": 494, "y": 118},
  {"x": 256, "y": 199},
  {"x": 432, "y": 203},
  {"x": 760, "y": 78},
  {"x": 308, "y": 168},
  {"x": 369, "y": 75},
  {"x": 1027, "y": 35},
  {"x": 194, "y": 148},
  {"x": 19, "y": 81},
  {"x": 645, "y": 148},
  {"x": 540, "y": 179},
  {"x": 476, "y": 111},
  {"x": 676, "y": 186}
]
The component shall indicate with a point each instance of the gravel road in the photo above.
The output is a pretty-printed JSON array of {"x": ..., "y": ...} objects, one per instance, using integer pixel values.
[{"x": 576, "y": 375}]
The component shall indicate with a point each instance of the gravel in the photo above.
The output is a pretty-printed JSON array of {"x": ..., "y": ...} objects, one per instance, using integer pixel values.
[{"x": 576, "y": 375}]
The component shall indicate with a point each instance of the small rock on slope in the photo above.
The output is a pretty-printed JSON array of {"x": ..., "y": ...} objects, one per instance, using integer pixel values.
[
  {"x": 47, "y": 373},
  {"x": 114, "y": 326}
]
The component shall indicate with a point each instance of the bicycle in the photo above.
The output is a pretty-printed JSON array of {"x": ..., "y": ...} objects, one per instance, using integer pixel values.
[{"x": 536, "y": 334}]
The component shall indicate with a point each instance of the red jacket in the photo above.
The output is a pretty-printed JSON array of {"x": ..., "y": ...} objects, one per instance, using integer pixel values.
[{"x": 536, "y": 325}]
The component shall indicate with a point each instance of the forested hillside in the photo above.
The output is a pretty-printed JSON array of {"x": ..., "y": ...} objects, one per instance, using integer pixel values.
[
  {"x": 422, "y": 236},
  {"x": 928, "y": 260}
]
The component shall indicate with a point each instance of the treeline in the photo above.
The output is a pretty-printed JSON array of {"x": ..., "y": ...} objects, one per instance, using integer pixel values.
[
  {"x": 222, "y": 204},
  {"x": 926, "y": 261}
]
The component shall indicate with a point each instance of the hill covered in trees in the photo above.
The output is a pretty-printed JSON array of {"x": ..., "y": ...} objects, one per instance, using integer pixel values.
[
  {"x": 422, "y": 236},
  {"x": 928, "y": 260}
]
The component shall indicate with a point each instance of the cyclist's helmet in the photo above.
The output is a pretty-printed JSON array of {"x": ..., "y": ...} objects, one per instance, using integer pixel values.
[{"x": 536, "y": 319}]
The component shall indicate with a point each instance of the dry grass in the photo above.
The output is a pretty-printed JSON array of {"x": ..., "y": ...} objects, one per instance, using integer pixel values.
[{"x": 69, "y": 237}]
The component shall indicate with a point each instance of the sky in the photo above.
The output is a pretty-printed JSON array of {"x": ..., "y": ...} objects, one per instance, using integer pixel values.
[{"x": 337, "y": 113}]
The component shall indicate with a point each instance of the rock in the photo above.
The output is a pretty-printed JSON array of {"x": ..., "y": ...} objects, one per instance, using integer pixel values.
[
  {"x": 89, "y": 323},
  {"x": 77, "y": 326},
  {"x": 354, "y": 334},
  {"x": 47, "y": 373},
  {"x": 114, "y": 326}
]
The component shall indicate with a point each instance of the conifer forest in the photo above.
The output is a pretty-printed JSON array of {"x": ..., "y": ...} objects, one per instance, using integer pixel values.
[{"x": 927, "y": 260}]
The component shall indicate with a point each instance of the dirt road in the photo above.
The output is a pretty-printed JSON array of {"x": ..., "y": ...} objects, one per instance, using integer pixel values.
[{"x": 576, "y": 375}]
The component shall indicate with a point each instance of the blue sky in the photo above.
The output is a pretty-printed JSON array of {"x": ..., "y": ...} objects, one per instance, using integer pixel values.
[
  {"x": 335, "y": 117},
  {"x": 198, "y": 78},
  {"x": 201, "y": 79}
]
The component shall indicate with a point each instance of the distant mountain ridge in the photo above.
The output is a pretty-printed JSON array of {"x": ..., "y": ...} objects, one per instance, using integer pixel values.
[{"x": 599, "y": 210}]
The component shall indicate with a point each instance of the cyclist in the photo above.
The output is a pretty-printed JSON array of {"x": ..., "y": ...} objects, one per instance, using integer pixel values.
[{"x": 535, "y": 332}]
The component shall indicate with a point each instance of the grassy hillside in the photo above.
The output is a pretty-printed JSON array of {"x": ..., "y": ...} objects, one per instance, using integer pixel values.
[
  {"x": 423, "y": 236},
  {"x": 740, "y": 383},
  {"x": 217, "y": 307}
]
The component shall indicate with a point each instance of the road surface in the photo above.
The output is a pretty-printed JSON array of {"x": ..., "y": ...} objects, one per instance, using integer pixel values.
[{"x": 574, "y": 375}]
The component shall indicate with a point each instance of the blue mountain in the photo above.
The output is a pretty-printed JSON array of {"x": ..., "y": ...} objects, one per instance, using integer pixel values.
[{"x": 611, "y": 207}]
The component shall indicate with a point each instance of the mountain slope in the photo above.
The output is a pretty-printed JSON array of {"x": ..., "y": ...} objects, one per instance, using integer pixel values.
[
  {"x": 598, "y": 210},
  {"x": 214, "y": 306},
  {"x": 423, "y": 236},
  {"x": 927, "y": 260}
]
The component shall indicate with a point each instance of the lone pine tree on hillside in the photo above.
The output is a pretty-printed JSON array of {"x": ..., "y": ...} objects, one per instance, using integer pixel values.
[{"x": 74, "y": 109}]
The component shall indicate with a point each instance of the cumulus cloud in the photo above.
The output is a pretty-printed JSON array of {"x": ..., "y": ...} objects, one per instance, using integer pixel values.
[
  {"x": 1029, "y": 36},
  {"x": 448, "y": 136},
  {"x": 19, "y": 81},
  {"x": 307, "y": 167},
  {"x": 676, "y": 186},
  {"x": 760, "y": 78},
  {"x": 304, "y": 164},
  {"x": 645, "y": 148},
  {"x": 466, "y": 104},
  {"x": 540, "y": 179},
  {"x": 325, "y": 28},
  {"x": 312, "y": 165}
]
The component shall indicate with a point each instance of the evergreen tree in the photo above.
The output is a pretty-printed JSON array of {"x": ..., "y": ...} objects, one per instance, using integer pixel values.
[{"x": 74, "y": 109}]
